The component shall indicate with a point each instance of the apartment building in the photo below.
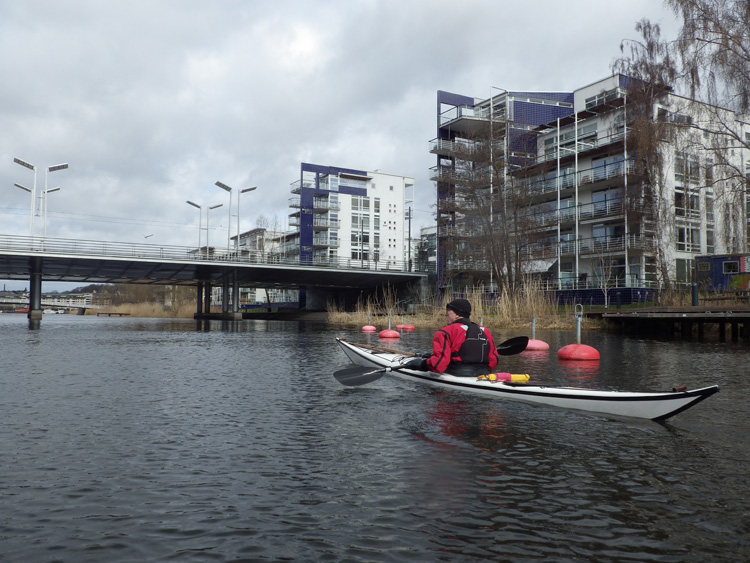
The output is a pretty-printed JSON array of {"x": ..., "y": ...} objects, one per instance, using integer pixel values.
[
  {"x": 590, "y": 211},
  {"x": 354, "y": 218}
]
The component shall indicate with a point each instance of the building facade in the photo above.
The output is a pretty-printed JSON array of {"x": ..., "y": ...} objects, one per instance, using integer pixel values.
[
  {"x": 591, "y": 210},
  {"x": 349, "y": 217}
]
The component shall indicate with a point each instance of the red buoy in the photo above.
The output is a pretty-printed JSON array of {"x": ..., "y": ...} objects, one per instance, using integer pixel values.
[
  {"x": 407, "y": 328},
  {"x": 368, "y": 328},
  {"x": 389, "y": 333},
  {"x": 537, "y": 346},
  {"x": 577, "y": 352}
]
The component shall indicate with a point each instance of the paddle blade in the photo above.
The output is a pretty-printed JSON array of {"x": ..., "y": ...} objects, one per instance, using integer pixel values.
[
  {"x": 513, "y": 346},
  {"x": 358, "y": 375}
]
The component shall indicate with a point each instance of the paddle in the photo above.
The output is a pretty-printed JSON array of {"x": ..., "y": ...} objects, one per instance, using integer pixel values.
[
  {"x": 357, "y": 375},
  {"x": 513, "y": 346}
]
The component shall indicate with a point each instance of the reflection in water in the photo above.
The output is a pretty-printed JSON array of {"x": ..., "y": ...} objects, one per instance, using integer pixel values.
[{"x": 580, "y": 372}]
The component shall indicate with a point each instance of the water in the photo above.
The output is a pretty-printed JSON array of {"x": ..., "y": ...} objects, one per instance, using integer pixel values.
[{"x": 154, "y": 440}]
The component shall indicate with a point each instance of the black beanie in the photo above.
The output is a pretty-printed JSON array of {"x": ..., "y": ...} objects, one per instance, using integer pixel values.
[{"x": 461, "y": 306}]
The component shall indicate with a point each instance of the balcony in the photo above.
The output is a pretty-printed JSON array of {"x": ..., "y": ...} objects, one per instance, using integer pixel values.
[
  {"x": 319, "y": 205},
  {"x": 601, "y": 209},
  {"x": 325, "y": 242}
]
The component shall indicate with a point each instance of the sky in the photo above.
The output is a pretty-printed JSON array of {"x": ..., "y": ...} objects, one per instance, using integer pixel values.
[{"x": 150, "y": 102}]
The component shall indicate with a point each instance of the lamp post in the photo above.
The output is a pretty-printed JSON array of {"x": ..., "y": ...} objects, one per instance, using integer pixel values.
[
  {"x": 200, "y": 223},
  {"x": 43, "y": 195},
  {"x": 229, "y": 220},
  {"x": 44, "y": 202},
  {"x": 208, "y": 248},
  {"x": 237, "y": 242},
  {"x": 31, "y": 191}
]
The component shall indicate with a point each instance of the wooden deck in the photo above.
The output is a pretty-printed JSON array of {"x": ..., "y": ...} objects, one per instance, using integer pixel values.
[{"x": 686, "y": 322}]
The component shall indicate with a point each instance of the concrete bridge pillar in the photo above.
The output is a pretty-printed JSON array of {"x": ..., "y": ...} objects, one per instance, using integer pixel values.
[
  {"x": 35, "y": 290},
  {"x": 225, "y": 296},
  {"x": 235, "y": 295},
  {"x": 199, "y": 298},
  {"x": 207, "y": 297}
]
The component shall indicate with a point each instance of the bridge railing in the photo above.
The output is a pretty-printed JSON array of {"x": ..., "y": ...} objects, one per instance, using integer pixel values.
[{"x": 104, "y": 249}]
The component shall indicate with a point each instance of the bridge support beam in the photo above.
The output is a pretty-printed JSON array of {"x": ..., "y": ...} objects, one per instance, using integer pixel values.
[
  {"x": 235, "y": 295},
  {"x": 207, "y": 298},
  {"x": 225, "y": 296},
  {"x": 199, "y": 298},
  {"x": 35, "y": 290}
]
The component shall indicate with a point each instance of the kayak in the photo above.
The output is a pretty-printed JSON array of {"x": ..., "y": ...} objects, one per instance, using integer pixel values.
[{"x": 652, "y": 406}]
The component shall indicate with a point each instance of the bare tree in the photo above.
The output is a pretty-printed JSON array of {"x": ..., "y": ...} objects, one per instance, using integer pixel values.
[{"x": 710, "y": 63}]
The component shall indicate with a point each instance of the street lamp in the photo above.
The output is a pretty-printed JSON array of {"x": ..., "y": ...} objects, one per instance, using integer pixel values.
[
  {"x": 237, "y": 242},
  {"x": 44, "y": 202},
  {"x": 229, "y": 220},
  {"x": 208, "y": 248},
  {"x": 200, "y": 223},
  {"x": 31, "y": 191},
  {"x": 43, "y": 195}
]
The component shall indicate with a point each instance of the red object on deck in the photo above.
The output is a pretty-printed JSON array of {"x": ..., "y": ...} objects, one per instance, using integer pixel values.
[
  {"x": 577, "y": 352},
  {"x": 368, "y": 328},
  {"x": 389, "y": 333},
  {"x": 536, "y": 346}
]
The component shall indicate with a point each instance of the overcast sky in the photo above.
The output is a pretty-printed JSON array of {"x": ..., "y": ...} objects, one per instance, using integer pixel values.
[{"x": 151, "y": 102}]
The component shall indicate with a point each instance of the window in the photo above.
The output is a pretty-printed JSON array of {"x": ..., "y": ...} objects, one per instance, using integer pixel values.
[
  {"x": 683, "y": 270},
  {"x": 688, "y": 239},
  {"x": 731, "y": 267}
]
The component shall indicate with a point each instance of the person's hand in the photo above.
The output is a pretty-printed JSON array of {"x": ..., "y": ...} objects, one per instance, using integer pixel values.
[{"x": 419, "y": 364}]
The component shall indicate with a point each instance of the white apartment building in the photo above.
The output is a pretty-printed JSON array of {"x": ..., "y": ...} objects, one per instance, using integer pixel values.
[
  {"x": 597, "y": 213},
  {"x": 348, "y": 217}
]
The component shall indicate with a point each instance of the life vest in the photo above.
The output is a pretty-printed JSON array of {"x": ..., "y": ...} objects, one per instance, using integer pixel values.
[
  {"x": 473, "y": 353},
  {"x": 475, "y": 348}
]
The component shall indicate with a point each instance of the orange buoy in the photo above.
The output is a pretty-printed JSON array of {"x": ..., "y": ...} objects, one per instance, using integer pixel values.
[
  {"x": 389, "y": 333},
  {"x": 368, "y": 328},
  {"x": 537, "y": 346},
  {"x": 577, "y": 352}
]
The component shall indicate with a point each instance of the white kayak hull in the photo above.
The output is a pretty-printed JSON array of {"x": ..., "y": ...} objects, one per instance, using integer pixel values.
[{"x": 652, "y": 406}]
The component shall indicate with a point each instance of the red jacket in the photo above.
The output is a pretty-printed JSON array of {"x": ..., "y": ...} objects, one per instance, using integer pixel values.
[{"x": 447, "y": 342}]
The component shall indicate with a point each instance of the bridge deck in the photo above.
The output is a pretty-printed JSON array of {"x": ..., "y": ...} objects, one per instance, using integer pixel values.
[{"x": 111, "y": 262}]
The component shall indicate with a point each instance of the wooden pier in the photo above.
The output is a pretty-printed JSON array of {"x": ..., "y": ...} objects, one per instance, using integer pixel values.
[{"x": 686, "y": 322}]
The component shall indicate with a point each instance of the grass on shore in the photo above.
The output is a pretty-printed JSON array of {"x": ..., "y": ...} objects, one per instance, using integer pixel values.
[{"x": 513, "y": 311}]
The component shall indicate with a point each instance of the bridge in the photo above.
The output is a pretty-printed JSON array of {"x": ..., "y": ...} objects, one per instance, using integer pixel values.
[{"x": 64, "y": 260}]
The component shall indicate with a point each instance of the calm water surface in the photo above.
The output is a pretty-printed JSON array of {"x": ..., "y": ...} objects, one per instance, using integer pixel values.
[{"x": 155, "y": 440}]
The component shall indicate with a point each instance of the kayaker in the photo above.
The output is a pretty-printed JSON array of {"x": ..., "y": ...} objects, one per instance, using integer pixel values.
[{"x": 461, "y": 347}]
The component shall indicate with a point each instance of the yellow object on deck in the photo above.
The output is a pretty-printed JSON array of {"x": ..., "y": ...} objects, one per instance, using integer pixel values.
[{"x": 509, "y": 377}]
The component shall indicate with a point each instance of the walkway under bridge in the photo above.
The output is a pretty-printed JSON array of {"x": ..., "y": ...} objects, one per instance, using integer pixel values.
[{"x": 85, "y": 262}]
